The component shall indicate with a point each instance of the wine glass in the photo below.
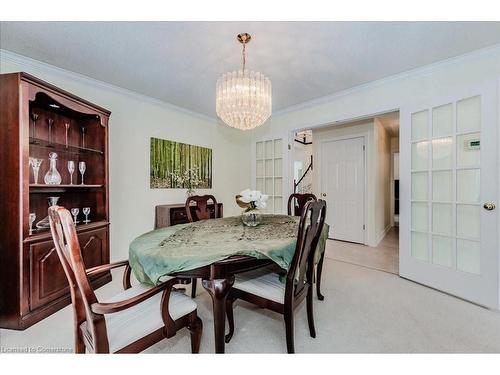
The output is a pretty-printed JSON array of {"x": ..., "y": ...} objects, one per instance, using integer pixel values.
[
  {"x": 82, "y": 167},
  {"x": 86, "y": 212},
  {"x": 50, "y": 122},
  {"x": 66, "y": 125},
  {"x": 32, "y": 219},
  {"x": 84, "y": 131},
  {"x": 34, "y": 118},
  {"x": 74, "y": 212},
  {"x": 71, "y": 169},
  {"x": 35, "y": 164}
]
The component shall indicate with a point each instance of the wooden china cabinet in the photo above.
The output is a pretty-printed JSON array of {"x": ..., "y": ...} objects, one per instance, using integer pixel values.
[{"x": 32, "y": 281}]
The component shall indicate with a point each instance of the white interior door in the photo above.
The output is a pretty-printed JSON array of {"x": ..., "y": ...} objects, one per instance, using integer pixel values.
[
  {"x": 343, "y": 187},
  {"x": 449, "y": 178}
]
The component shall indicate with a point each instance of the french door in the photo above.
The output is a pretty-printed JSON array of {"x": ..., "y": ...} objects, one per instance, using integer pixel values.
[{"x": 448, "y": 193}]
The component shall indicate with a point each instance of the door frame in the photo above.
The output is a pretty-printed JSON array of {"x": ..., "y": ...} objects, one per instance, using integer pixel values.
[
  {"x": 319, "y": 178},
  {"x": 411, "y": 268}
]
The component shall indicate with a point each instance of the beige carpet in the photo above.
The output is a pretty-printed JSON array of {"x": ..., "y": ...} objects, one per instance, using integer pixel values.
[
  {"x": 364, "y": 311},
  {"x": 384, "y": 257}
]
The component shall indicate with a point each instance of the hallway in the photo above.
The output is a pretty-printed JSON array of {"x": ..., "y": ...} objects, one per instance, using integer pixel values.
[{"x": 384, "y": 257}]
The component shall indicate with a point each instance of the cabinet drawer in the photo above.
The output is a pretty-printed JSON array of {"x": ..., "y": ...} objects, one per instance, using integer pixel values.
[
  {"x": 47, "y": 279},
  {"x": 178, "y": 216}
]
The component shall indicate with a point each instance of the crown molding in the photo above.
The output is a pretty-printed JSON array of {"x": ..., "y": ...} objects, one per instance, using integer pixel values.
[
  {"x": 28, "y": 61},
  {"x": 22, "y": 60},
  {"x": 426, "y": 69}
]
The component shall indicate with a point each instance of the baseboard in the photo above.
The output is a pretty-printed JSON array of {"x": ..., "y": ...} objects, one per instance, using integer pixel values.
[{"x": 381, "y": 236}]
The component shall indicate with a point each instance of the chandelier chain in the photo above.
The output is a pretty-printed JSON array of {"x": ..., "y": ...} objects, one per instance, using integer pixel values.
[{"x": 244, "y": 56}]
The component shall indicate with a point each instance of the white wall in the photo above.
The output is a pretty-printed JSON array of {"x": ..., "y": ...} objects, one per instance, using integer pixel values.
[
  {"x": 386, "y": 95},
  {"x": 383, "y": 189},
  {"x": 134, "y": 119}
]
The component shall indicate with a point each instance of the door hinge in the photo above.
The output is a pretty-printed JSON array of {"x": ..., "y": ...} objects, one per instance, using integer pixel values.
[
  {"x": 363, "y": 147},
  {"x": 363, "y": 226},
  {"x": 289, "y": 146}
]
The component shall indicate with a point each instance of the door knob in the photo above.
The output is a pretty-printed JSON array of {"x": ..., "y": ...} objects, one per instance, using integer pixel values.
[
  {"x": 324, "y": 194},
  {"x": 490, "y": 206}
]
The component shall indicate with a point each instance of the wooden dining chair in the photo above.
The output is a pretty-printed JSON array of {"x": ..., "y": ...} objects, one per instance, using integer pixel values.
[
  {"x": 296, "y": 203},
  {"x": 200, "y": 210},
  {"x": 132, "y": 320},
  {"x": 265, "y": 289}
]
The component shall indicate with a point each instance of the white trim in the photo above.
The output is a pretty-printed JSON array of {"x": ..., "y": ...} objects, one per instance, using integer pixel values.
[
  {"x": 426, "y": 69},
  {"x": 37, "y": 64},
  {"x": 319, "y": 162}
]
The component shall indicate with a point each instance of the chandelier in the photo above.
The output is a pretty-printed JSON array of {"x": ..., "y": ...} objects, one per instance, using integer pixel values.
[{"x": 243, "y": 98}]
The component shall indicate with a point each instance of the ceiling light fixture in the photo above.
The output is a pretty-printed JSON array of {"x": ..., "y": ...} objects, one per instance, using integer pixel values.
[{"x": 243, "y": 98}]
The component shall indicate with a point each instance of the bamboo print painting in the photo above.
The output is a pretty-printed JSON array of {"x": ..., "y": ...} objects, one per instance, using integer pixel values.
[{"x": 177, "y": 165}]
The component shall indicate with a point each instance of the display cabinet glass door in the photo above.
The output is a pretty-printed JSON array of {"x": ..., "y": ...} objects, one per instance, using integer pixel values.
[{"x": 451, "y": 226}]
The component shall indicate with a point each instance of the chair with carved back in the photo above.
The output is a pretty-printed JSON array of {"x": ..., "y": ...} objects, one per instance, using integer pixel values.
[
  {"x": 197, "y": 208},
  {"x": 132, "y": 320},
  {"x": 200, "y": 210},
  {"x": 296, "y": 203},
  {"x": 265, "y": 288}
]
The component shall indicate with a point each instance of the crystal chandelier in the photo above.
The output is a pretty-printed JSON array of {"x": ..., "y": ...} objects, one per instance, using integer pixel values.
[{"x": 243, "y": 98}]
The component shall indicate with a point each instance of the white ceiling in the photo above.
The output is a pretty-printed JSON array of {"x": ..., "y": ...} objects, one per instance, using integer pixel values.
[{"x": 179, "y": 62}]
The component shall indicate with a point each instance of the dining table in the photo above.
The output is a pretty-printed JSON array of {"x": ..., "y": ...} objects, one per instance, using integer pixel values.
[{"x": 215, "y": 250}]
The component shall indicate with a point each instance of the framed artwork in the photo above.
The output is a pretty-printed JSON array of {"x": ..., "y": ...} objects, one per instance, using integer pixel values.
[{"x": 175, "y": 165}]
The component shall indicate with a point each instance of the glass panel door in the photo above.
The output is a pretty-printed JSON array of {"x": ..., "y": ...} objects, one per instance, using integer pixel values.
[
  {"x": 452, "y": 174},
  {"x": 269, "y": 172}
]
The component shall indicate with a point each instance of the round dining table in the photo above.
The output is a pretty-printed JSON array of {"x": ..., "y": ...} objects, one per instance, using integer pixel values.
[{"x": 215, "y": 251}]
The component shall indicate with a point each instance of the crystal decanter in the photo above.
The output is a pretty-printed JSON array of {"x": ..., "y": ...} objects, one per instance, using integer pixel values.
[{"x": 52, "y": 177}]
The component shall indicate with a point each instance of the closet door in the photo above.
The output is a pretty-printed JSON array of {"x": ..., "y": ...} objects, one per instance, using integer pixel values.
[{"x": 449, "y": 187}]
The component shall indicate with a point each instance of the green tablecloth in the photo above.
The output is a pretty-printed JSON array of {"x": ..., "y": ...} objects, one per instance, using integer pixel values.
[{"x": 188, "y": 246}]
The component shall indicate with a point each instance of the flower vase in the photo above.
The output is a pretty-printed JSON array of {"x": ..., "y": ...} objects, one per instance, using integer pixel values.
[{"x": 251, "y": 218}]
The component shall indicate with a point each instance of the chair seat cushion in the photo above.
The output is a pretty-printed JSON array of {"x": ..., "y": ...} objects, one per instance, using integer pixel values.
[
  {"x": 125, "y": 327},
  {"x": 262, "y": 283}
]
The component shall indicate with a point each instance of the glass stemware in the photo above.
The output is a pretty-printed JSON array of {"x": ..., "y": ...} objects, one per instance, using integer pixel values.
[
  {"x": 66, "y": 125},
  {"x": 32, "y": 218},
  {"x": 86, "y": 212},
  {"x": 71, "y": 170},
  {"x": 84, "y": 131},
  {"x": 74, "y": 212},
  {"x": 35, "y": 165},
  {"x": 82, "y": 167},
  {"x": 34, "y": 118},
  {"x": 50, "y": 122}
]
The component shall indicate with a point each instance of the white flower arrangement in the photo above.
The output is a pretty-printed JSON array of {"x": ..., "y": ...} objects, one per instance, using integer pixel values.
[{"x": 251, "y": 200}]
